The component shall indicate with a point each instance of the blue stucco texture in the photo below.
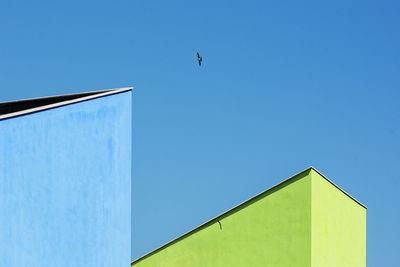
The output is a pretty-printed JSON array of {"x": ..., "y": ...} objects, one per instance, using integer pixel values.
[{"x": 65, "y": 185}]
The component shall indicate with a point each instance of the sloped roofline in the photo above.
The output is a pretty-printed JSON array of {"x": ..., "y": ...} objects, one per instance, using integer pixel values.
[
  {"x": 216, "y": 218},
  {"x": 17, "y": 108}
]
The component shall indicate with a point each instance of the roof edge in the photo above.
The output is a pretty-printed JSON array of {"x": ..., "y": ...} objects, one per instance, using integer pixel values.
[
  {"x": 92, "y": 95},
  {"x": 238, "y": 206},
  {"x": 344, "y": 192}
]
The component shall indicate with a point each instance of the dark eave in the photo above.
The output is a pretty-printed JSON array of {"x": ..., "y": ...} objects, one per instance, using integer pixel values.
[{"x": 22, "y": 107}]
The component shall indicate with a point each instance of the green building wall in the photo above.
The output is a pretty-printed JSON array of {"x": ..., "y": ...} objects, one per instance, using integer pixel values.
[
  {"x": 303, "y": 221},
  {"x": 338, "y": 226}
]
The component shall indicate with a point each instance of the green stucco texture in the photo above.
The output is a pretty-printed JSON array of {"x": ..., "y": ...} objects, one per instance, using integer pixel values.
[{"x": 304, "y": 221}]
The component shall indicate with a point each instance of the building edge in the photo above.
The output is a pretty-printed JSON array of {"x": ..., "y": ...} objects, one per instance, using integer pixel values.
[{"x": 76, "y": 98}]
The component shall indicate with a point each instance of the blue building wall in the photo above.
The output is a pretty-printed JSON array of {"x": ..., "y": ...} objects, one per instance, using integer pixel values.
[{"x": 65, "y": 185}]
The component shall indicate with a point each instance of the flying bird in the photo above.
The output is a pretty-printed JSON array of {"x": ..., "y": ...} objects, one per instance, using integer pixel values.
[{"x": 199, "y": 58}]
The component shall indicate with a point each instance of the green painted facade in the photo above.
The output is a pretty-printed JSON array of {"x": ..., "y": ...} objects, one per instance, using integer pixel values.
[
  {"x": 338, "y": 226},
  {"x": 304, "y": 221}
]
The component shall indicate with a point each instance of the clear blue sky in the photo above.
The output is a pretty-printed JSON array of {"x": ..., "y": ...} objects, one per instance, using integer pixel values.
[{"x": 284, "y": 85}]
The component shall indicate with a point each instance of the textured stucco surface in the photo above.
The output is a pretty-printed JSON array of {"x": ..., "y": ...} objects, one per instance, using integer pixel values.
[
  {"x": 338, "y": 227},
  {"x": 65, "y": 185},
  {"x": 271, "y": 231}
]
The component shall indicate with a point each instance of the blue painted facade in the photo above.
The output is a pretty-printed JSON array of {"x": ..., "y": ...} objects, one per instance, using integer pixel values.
[{"x": 65, "y": 185}]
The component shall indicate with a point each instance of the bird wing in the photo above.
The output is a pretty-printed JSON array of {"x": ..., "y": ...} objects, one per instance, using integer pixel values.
[{"x": 198, "y": 55}]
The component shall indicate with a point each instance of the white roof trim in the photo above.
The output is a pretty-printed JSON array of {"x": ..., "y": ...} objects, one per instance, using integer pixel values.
[{"x": 96, "y": 94}]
